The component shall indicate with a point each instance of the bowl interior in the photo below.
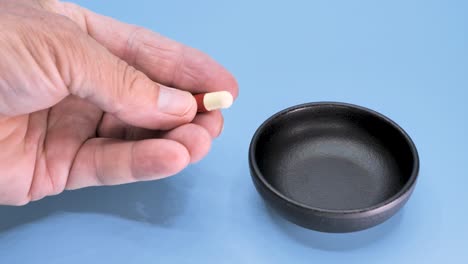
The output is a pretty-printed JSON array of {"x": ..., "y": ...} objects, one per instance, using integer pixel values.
[{"x": 333, "y": 157}]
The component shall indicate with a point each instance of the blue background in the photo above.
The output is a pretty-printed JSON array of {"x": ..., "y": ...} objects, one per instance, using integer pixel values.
[{"x": 405, "y": 59}]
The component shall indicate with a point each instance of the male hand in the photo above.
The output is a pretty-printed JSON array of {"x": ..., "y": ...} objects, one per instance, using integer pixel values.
[{"x": 86, "y": 100}]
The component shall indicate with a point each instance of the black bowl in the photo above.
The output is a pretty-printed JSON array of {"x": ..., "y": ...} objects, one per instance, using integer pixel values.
[{"x": 333, "y": 167}]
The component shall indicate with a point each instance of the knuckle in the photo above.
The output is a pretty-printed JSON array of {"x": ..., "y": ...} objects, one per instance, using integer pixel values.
[
  {"x": 135, "y": 41},
  {"x": 67, "y": 28},
  {"x": 49, "y": 5},
  {"x": 127, "y": 81}
]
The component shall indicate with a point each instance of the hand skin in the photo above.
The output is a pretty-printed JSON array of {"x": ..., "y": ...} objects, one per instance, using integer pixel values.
[{"x": 85, "y": 100}]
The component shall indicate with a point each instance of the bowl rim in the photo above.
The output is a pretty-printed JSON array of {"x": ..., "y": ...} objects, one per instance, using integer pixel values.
[{"x": 394, "y": 198}]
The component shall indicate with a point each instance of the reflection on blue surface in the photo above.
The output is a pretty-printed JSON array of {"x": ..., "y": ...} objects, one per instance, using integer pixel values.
[{"x": 405, "y": 59}]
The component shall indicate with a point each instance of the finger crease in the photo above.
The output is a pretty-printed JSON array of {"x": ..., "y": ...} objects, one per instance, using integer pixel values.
[
  {"x": 130, "y": 52},
  {"x": 178, "y": 66}
]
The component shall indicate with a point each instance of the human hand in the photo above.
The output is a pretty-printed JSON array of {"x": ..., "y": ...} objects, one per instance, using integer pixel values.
[{"x": 85, "y": 101}]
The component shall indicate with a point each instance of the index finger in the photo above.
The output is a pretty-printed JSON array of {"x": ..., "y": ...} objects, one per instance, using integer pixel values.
[{"x": 161, "y": 59}]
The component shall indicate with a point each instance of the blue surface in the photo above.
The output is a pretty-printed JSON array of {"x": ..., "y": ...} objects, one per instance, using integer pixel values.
[{"x": 405, "y": 59}]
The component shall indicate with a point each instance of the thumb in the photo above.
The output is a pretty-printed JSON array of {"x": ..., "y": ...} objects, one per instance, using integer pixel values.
[{"x": 95, "y": 74}]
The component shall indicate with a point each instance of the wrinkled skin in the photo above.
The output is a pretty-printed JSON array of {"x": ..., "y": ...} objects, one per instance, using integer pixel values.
[{"x": 86, "y": 100}]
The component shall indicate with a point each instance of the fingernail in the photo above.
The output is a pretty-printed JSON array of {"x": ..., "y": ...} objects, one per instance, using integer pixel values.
[{"x": 174, "y": 102}]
